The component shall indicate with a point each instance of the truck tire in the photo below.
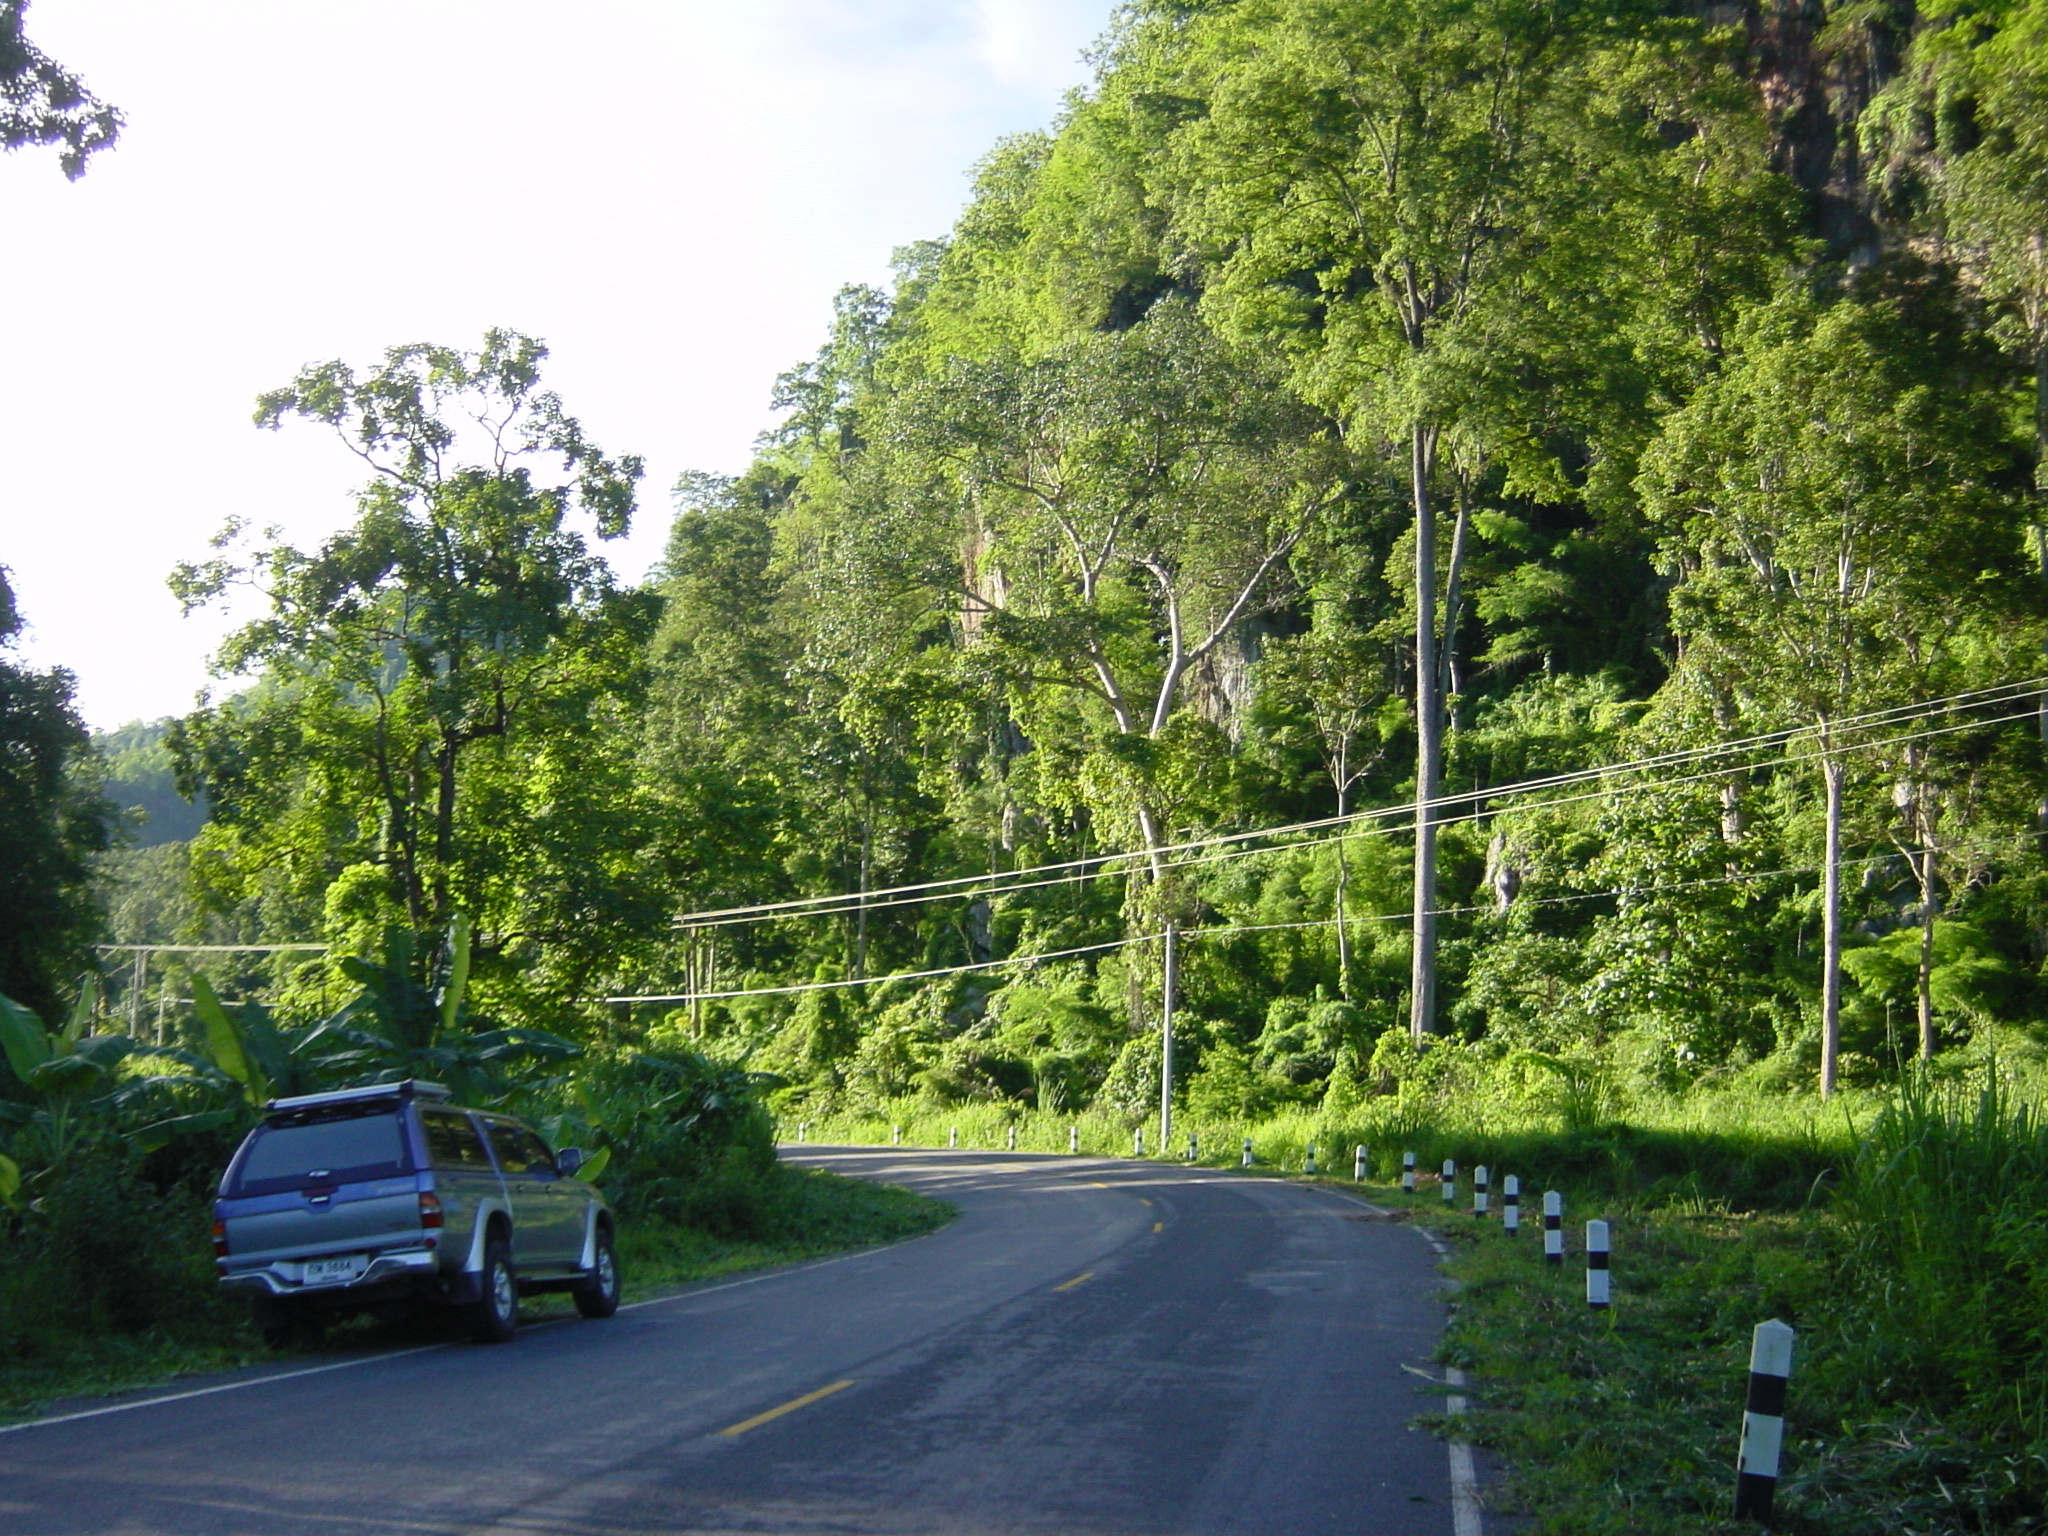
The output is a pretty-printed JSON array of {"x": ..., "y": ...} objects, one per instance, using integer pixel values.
[
  {"x": 599, "y": 1295},
  {"x": 494, "y": 1317}
]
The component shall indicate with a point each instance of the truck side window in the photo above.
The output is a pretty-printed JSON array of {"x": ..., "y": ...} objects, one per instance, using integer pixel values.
[
  {"x": 520, "y": 1151},
  {"x": 452, "y": 1141}
]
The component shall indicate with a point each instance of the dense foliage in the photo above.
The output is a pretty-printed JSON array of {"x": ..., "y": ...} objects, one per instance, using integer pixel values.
[
  {"x": 1516, "y": 531},
  {"x": 52, "y": 824},
  {"x": 1343, "y": 408}
]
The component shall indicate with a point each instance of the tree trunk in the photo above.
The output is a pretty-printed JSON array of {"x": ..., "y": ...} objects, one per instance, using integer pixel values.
[
  {"x": 1169, "y": 980},
  {"x": 445, "y": 760},
  {"x": 1428, "y": 744},
  {"x": 2041, "y": 518},
  {"x": 860, "y": 921},
  {"x": 1833, "y": 773},
  {"x": 1926, "y": 978},
  {"x": 1343, "y": 880}
]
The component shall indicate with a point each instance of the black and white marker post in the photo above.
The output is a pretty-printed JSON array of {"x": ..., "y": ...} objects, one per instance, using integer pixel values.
[
  {"x": 1247, "y": 1151},
  {"x": 1194, "y": 1148},
  {"x": 895, "y": 1135},
  {"x": 1481, "y": 1199},
  {"x": 1553, "y": 1228},
  {"x": 1450, "y": 1181},
  {"x": 1073, "y": 1138},
  {"x": 1013, "y": 1139},
  {"x": 1598, "y": 1294},
  {"x": 1763, "y": 1421},
  {"x": 1138, "y": 1142},
  {"x": 1511, "y": 1205},
  {"x": 1408, "y": 1173},
  {"x": 1310, "y": 1166},
  {"x": 953, "y": 1136},
  {"x": 1358, "y": 1165}
]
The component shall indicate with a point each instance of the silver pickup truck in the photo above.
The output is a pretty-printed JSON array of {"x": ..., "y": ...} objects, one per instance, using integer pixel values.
[{"x": 381, "y": 1198}]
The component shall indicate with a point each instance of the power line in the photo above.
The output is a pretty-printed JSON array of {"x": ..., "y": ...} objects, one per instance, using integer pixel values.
[
  {"x": 1070, "y": 871},
  {"x": 1230, "y": 929},
  {"x": 868, "y": 981}
]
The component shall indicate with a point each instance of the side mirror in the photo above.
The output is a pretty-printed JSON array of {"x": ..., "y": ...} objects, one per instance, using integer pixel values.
[{"x": 568, "y": 1160}]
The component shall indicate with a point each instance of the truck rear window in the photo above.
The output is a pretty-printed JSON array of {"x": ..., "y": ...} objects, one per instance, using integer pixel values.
[{"x": 342, "y": 1151}]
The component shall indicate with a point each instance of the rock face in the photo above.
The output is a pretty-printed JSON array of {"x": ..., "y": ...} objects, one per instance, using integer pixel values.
[{"x": 1815, "y": 73}]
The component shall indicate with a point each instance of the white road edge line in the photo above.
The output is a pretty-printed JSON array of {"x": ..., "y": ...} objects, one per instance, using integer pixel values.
[
  {"x": 400, "y": 1354},
  {"x": 1464, "y": 1474},
  {"x": 226, "y": 1386}
]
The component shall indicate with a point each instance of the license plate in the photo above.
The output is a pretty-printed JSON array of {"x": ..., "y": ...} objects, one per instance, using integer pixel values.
[{"x": 334, "y": 1271}]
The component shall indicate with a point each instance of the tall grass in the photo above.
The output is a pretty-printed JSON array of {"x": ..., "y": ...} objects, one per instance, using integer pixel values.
[
  {"x": 1945, "y": 1210},
  {"x": 1730, "y": 1151}
]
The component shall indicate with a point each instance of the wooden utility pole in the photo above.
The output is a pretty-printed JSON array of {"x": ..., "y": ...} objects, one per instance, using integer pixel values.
[{"x": 1170, "y": 980}]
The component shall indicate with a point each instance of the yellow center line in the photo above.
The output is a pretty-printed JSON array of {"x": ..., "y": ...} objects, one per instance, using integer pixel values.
[
  {"x": 1069, "y": 1285},
  {"x": 1097, "y": 1184},
  {"x": 789, "y": 1407},
  {"x": 1143, "y": 1201},
  {"x": 1158, "y": 1226}
]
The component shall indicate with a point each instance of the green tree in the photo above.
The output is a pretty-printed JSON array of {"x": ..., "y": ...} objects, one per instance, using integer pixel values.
[
  {"x": 447, "y": 682},
  {"x": 42, "y": 104},
  {"x": 53, "y": 825},
  {"x": 1844, "y": 505},
  {"x": 1110, "y": 515},
  {"x": 1440, "y": 211}
]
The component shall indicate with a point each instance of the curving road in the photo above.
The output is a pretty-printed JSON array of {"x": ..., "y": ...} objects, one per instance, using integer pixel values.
[{"x": 1094, "y": 1346}]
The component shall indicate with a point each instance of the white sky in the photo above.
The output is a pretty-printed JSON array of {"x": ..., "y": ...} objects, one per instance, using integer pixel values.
[{"x": 669, "y": 192}]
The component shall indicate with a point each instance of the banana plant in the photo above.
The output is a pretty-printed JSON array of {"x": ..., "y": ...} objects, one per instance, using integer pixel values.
[
  {"x": 61, "y": 1070},
  {"x": 396, "y": 1025}
]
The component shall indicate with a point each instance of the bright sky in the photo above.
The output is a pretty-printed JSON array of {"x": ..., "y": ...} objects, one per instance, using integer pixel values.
[{"x": 669, "y": 192}]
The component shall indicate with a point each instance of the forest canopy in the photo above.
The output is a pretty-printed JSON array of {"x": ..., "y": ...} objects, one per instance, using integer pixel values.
[{"x": 1504, "y": 526}]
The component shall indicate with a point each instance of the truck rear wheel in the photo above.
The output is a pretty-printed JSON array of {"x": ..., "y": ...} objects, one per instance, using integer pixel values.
[{"x": 495, "y": 1316}]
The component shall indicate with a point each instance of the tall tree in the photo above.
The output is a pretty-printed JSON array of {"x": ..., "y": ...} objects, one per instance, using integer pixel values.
[
  {"x": 1845, "y": 505},
  {"x": 1115, "y": 512},
  {"x": 1962, "y": 142},
  {"x": 431, "y": 736},
  {"x": 1405, "y": 193},
  {"x": 52, "y": 825}
]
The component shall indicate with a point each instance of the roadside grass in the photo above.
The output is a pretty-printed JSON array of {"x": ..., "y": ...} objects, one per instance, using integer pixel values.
[
  {"x": 1625, "y": 1423},
  {"x": 1916, "y": 1274},
  {"x": 797, "y": 1214}
]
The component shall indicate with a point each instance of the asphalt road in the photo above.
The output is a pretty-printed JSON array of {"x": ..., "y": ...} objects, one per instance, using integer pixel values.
[{"x": 1094, "y": 1346}]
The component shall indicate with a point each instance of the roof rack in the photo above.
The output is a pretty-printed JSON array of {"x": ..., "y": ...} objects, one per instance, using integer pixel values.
[{"x": 410, "y": 1088}]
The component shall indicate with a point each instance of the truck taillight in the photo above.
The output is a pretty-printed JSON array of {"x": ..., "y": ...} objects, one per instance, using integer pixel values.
[
  {"x": 220, "y": 1239},
  {"x": 430, "y": 1210}
]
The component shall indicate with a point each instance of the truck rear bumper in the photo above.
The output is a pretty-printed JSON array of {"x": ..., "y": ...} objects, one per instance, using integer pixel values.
[{"x": 419, "y": 1267}]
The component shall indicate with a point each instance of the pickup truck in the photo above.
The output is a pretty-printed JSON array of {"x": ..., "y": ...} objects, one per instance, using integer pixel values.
[{"x": 385, "y": 1197}]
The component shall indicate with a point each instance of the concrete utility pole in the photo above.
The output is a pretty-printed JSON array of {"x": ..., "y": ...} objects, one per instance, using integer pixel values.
[{"x": 1171, "y": 980}]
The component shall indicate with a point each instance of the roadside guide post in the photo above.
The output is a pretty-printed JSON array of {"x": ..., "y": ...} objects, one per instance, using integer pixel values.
[
  {"x": 1763, "y": 1421},
  {"x": 1511, "y": 1205},
  {"x": 1553, "y": 1228},
  {"x": 1598, "y": 1292},
  {"x": 1450, "y": 1181},
  {"x": 1480, "y": 1197},
  {"x": 1408, "y": 1173}
]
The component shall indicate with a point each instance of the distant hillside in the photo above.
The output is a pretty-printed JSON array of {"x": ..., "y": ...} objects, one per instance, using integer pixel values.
[{"x": 140, "y": 781}]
